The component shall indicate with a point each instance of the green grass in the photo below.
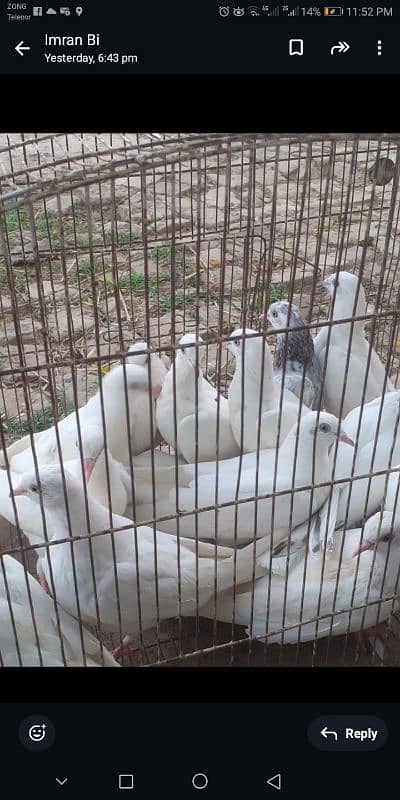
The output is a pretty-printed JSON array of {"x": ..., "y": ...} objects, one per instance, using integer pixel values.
[
  {"x": 19, "y": 281},
  {"x": 15, "y": 219},
  {"x": 47, "y": 226},
  {"x": 136, "y": 281},
  {"x": 41, "y": 419},
  {"x": 184, "y": 298},
  {"x": 123, "y": 237},
  {"x": 277, "y": 293},
  {"x": 162, "y": 253},
  {"x": 84, "y": 269}
]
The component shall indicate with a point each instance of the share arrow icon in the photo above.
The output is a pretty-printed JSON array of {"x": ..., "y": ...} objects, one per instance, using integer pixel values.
[{"x": 338, "y": 49}]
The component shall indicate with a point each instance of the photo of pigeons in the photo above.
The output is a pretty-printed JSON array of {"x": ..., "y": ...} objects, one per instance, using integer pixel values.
[{"x": 199, "y": 357}]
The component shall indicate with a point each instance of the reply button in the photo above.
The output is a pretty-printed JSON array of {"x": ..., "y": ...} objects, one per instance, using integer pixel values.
[{"x": 339, "y": 733}]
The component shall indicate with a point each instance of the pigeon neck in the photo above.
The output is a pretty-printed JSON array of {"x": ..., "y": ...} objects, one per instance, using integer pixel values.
[
  {"x": 76, "y": 514},
  {"x": 295, "y": 345},
  {"x": 307, "y": 443},
  {"x": 344, "y": 309},
  {"x": 252, "y": 370},
  {"x": 179, "y": 381}
]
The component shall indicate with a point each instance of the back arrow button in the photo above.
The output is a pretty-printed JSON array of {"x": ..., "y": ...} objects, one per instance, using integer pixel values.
[
  {"x": 275, "y": 781},
  {"x": 21, "y": 47}
]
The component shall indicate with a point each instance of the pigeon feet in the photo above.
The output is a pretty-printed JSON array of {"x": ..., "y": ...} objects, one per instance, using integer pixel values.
[
  {"x": 123, "y": 650},
  {"x": 363, "y": 636}
]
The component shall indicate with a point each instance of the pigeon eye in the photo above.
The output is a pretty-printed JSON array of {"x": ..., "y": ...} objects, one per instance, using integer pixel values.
[
  {"x": 274, "y": 313},
  {"x": 386, "y": 538},
  {"x": 237, "y": 342},
  {"x": 183, "y": 350},
  {"x": 324, "y": 427},
  {"x": 34, "y": 488}
]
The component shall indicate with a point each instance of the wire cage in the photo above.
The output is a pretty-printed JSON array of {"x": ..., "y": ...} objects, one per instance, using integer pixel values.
[{"x": 108, "y": 239}]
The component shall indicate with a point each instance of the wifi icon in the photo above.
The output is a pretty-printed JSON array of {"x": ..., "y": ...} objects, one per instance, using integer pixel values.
[{"x": 254, "y": 11}]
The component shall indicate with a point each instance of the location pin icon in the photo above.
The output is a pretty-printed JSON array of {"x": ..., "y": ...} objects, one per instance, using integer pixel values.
[{"x": 79, "y": 10}]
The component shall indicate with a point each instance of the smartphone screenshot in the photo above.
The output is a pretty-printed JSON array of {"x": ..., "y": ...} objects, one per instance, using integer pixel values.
[{"x": 199, "y": 399}]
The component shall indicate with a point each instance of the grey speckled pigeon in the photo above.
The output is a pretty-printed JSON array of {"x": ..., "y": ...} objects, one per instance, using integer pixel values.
[{"x": 296, "y": 350}]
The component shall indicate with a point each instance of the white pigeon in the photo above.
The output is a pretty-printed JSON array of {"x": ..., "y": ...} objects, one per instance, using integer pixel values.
[
  {"x": 365, "y": 495},
  {"x": 140, "y": 406},
  {"x": 124, "y": 582},
  {"x": 363, "y": 575},
  {"x": 200, "y": 415},
  {"x": 34, "y": 637},
  {"x": 247, "y": 393},
  {"x": 377, "y": 448},
  {"x": 345, "y": 376},
  {"x": 295, "y": 362},
  {"x": 390, "y": 512},
  {"x": 144, "y": 418},
  {"x": 367, "y": 422},
  {"x": 302, "y": 460},
  {"x": 93, "y": 467},
  {"x": 107, "y": 480}
]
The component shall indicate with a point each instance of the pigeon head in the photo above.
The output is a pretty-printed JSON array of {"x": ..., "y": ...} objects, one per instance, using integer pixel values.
[
  {"x": 251, "y": 346},
  {"x": 189, "y": 353},
  {"x": 252, "y": 338},
  {"x": 282, "y": 314},
  {"x": 137, "y": 380},
  {"x": 49, "y": 486},
  {"x": 379, "y": 533},
  {"x": 138, "y": 354},
  {"x": 342, "y": 287},
  {"x": 322, "y": 427},
  {"x": 296, "y": 345},
  {"x": 158, "y": 366}
]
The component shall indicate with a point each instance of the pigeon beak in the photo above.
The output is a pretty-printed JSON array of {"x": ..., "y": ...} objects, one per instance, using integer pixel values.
[
  {"x": 89, "y": 465},
  {"x": 344, "y": 438},
  {"x": 17, "y": 492},
  {"x": 365, "y": 545},
  {"x": 156, "y": 391}
]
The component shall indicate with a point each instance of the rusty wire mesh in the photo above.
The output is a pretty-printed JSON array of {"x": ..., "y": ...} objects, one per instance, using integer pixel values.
[{"x": 108, "y": 239}]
